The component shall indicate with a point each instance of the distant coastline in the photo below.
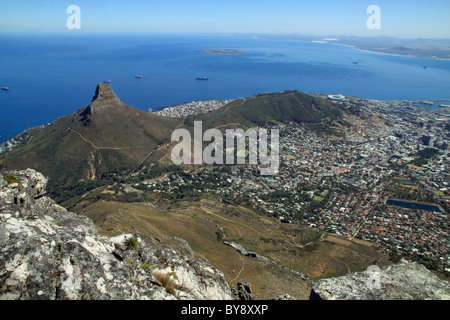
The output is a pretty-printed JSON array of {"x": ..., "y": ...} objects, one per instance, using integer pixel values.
[
  {"x": 433, "y": 49},
  {"x": 397, "y": 54},
  {"x": 423, "y": 49},
  {"x": 383, "y": 52}
]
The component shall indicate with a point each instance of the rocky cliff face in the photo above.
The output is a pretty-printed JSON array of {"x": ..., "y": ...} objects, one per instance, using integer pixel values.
[
  {"x": 47, "y": 252},
  {"x": 104, "y": 97},
  {"x": 410, "y": 281}
]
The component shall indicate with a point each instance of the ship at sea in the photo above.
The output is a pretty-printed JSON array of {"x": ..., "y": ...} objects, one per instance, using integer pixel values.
[
  {"x": 5, "y": 88},
  {"x": 202, "y": 78},
  {"x": 138, "y": 76},
  {"x": 107, "y": 81}
]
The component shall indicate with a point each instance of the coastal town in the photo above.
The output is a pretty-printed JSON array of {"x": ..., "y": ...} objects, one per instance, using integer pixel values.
[
  {"x": 386, "y": 182},
  {"x": 191, "y": 108}
]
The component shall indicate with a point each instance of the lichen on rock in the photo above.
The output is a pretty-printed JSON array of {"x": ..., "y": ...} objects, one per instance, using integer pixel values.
[{"x": 47, "y": 252}]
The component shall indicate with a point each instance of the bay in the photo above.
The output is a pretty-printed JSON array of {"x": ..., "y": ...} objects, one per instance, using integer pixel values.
[{"x": 54, "y": 75}]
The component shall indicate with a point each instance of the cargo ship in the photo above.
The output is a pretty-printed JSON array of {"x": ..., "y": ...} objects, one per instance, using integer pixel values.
[
  {"x": 5, "y": 88},
  {"x": 202, "y": 78}
]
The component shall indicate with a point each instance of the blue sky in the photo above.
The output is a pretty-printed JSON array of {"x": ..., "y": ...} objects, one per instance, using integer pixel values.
[{"x": 399, "y": 18}]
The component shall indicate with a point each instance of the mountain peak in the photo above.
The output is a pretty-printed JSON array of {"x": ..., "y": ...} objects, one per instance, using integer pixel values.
[{"x": 104, "y": 97}]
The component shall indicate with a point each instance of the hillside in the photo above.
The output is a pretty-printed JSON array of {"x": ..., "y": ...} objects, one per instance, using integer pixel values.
[
  {"x": 288, "y": 106},
  {"x": 103, "y": 137}
]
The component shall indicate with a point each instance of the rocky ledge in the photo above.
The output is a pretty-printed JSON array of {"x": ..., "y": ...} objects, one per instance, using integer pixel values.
[
  {"x": 406, "y": 281},
  {"x": 49, "y": 253}
]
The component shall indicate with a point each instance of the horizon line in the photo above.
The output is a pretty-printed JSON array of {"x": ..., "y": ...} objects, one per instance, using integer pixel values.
[{"x": 332, "y": 37}]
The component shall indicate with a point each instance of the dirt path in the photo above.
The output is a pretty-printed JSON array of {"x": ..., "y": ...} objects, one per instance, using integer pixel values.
[
  {"x": 104, "y": 148},
  {"x": 242, "y": 269}
]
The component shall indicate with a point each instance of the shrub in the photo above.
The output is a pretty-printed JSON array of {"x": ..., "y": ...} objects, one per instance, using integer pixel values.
[{"x": 132, "y": 243}]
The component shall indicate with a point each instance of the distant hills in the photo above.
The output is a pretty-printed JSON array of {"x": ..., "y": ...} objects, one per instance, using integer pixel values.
[
  {"x": 108, "y": 135},
  {"x": 413, "y": 47}
]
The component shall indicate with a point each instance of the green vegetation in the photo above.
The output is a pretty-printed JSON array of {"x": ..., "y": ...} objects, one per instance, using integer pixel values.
[
  {"x": 424, "y": 155},
  {"x": 11, "y": 179},
  {"x": 407, "y": 189},
  {"x": 287, "y": 106},
  {"x": 67, "y": 195},
  {"x": 129, "y": 261},
  {"x": 438, "y": 193},
  {"x": 318, "y": 199},
  {"x": 132, "y": 244}
]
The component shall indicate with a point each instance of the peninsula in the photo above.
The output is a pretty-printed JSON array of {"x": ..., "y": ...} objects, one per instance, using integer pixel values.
[{"x": 412, "y": 47}]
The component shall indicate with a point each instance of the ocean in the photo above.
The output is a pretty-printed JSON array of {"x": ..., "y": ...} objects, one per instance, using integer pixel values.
[{"x": 53, "y": 75}]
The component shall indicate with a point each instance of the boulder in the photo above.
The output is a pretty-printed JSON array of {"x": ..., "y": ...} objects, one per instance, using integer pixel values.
[{"x": 406, "y": 281}]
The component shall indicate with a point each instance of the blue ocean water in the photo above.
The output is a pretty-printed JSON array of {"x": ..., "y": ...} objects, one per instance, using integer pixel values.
[{"x": 54, "y": 75}]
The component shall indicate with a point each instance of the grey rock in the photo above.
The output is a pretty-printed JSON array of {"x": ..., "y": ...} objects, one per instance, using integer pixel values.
[
  {"x": 243, "y": 291},
  {"x": 409, "y": 281},
  {"x": 47, "y": 252},
  {"x": 284, "y": 297},
  {"x": 104, "y": 98}
]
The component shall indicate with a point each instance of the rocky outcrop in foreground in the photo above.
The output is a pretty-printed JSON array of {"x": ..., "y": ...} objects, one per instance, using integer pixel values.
[
  {"x": 47, "y": 252},
  {"x": 410, "y": 281}
]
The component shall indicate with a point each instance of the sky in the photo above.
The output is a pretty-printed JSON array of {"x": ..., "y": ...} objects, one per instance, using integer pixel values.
[{"x": 398, "y": 18}]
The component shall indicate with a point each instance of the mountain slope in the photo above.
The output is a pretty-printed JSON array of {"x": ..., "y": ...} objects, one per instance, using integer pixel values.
[
  {"x": 105, "y": 136},
  {"x": 272, "y": 107}
]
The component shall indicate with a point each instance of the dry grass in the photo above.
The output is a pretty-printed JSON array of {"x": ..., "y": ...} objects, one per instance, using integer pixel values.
[
  {"x": 168, "y": 281},
  {"x": 299, "y": 248}
]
